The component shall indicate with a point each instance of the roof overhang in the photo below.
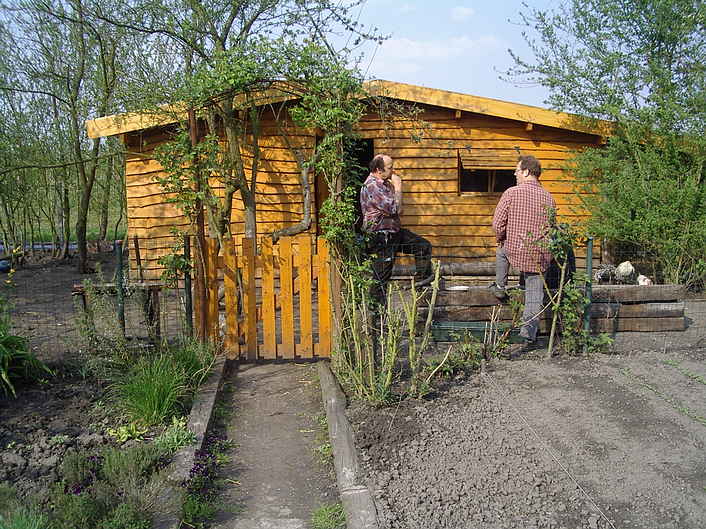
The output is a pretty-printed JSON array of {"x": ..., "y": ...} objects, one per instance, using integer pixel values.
[{"x": 531, "y": 115}]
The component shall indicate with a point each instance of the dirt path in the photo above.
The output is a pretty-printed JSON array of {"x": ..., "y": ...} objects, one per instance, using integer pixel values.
[
  {"x": 275, "y": 479},
  {"x": 608, "y": 442}
]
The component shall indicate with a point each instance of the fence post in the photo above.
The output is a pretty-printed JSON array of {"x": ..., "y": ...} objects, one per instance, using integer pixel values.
[
  {"x": 589, "y": 285},
  {"x": 119, "y": 286},
  {"x": 189, "y": 308}
]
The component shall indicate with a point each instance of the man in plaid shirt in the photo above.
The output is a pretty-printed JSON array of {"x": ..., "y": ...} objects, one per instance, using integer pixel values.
[
  {"x": 520, "y": 223},
  {"x": 381, "y": 204}
]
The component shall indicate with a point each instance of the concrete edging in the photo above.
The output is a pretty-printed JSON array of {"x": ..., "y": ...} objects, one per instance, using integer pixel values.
[
  {"x": 356, "y": 498},
  {"x": 200, "y": 417}
]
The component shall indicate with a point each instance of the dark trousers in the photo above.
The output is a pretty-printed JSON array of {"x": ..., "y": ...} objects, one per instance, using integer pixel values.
[{"x": 383, "y": 246}]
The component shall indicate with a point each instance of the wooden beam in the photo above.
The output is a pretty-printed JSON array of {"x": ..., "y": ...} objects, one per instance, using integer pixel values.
[
  {"x": 529, "y": 126},
  {"x": 633, "y": 293}
]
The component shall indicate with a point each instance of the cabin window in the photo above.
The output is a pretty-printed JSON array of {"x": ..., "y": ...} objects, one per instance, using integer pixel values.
[
  {"x": 486, "y": 180},
  {"x": 486, "y": 171}
]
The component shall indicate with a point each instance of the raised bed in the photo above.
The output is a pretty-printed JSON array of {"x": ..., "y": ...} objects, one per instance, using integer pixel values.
[{"x": 615, "y": 308}]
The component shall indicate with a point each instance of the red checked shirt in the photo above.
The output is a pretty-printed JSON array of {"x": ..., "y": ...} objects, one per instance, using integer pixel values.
[
  {"x": 520, "y": 223},
  {"x": 377, "y": 202}
]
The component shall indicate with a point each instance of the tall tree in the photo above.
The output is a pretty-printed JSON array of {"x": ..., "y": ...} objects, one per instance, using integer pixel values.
[{"x": 642, "y": 65}]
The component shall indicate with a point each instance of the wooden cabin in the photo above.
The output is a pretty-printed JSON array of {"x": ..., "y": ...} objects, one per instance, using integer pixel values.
[{"x": 455, "y": 156}]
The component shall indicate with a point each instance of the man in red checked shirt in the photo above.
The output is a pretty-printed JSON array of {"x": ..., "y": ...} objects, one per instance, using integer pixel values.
[
  {"x": 381, "y": 204},
  {"x": 520, "y": 222}
]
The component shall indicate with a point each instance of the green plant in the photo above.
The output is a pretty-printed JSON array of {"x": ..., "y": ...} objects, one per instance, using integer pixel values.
[
  {"x": 417, "y": 387},
  {"x": 126, "y": 432},
  {"x": 23, "y": 518},
  {"x": 195, "y": 359},
  {"x": 16, "y": 361},
  {"x": 175, "y": 265},
  {"x": 329, "y": 517},
  {"x": 175, "y": 436},
  {"x": 126, "y": 516},
  {"x": 153, "y": 390}
]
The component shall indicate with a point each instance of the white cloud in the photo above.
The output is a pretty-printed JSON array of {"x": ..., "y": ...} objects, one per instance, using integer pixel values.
[
  {"x": 404, "y": 56},
  {"x": 461, "y": 14}
]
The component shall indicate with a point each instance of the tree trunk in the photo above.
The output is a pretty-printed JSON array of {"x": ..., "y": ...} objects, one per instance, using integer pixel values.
[{"x": 105, "y": 206}]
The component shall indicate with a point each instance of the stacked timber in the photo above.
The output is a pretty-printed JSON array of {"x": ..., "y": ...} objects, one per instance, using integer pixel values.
[{"x": 615, "y": 308}]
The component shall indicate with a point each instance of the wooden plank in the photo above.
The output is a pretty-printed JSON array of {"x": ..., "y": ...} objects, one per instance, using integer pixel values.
[
  {"x": 269, "y": 350},
  {"x": 230, "y": 281},
  {"x": 324, "y": 299},
  {"x": 306, "y": 349},
  {"x": 286, "y": 296},
  {"x": 651, "y": 310},
  {"x": 637, "y": 293},
  {"x": 250, "y": 302},
  {"x": 212, "y": 325},
  {"x": 638, "y": 324}
]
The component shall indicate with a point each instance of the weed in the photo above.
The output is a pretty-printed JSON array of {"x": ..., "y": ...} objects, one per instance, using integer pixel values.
[
  {"x": 127, "y": 432},
  {"x": 175, "y": 436},
  {"x": 57, "y": 440},
  {"x": 329, "y": 517}
]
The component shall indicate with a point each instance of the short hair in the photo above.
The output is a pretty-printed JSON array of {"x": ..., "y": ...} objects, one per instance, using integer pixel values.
[
  {"x": 377, "y": 163},
  {"x": 531, "y": 164}
]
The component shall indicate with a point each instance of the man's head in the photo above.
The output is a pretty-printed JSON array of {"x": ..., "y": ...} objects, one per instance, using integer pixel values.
[
  {"x": 528, "y": 167},
  {"x": 381, "y": 166}
]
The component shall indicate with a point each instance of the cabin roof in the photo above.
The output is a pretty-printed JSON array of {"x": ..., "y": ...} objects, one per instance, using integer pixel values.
[{"x": 134, "y": 121}]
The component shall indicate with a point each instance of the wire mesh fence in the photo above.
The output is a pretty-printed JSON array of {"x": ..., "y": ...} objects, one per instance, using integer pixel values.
[{"x": 48, "y": 300}]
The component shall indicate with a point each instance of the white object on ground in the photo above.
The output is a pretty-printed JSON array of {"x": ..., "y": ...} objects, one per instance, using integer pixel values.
[
  {"x": 624, "y": 271},
  {"x": 643, "y": 280}
]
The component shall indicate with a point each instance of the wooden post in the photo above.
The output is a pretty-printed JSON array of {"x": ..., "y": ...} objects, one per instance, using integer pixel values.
[
  {"x": 230, "y": 281},
  {"x": 324, "y": 299},
  {"x": 119, "y": 287},
  {"x": 201, "y": 295},
  {"x": 286, "y": 293},
  {"x": 213, "y": 326},
  {"x": 269, "y": 326},
  {"x": 249, "y": 256},
  {"x": 305, "y": 317},
  {"x": 153, "y": 315}
]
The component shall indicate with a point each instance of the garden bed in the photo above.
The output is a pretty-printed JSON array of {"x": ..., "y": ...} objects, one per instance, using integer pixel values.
[{"x": 608, "y": 441}]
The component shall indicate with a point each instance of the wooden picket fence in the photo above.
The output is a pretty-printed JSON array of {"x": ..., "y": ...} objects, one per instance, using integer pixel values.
[{"x": 277, "y": 300}]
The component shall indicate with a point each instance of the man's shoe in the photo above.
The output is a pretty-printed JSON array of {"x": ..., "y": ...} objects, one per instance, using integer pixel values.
[
  {"x": 498, "y": 291},
  {"x": 516, "y": 349}
]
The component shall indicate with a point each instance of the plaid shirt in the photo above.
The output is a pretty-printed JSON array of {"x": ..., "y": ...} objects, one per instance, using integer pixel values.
[
  {"x": 520, "y": 223},
  {"x": 377, "y": 202}
]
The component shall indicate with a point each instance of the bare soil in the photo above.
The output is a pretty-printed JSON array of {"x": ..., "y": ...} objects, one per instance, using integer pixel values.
[{"x": 603, "y": 442}]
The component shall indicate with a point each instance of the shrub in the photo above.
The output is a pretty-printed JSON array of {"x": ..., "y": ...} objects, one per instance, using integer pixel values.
[
  {"x": 23, "y": 518},
  {"x": 153, "y": 390}
]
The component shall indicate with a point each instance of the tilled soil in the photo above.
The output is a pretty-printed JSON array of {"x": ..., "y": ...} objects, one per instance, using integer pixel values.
[
  {"x": 44, "y": 423},
  {"x": 566, "y": 443}
]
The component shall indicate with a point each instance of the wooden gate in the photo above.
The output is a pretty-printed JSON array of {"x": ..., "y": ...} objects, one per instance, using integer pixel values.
[{"x": 277, "y": 298}]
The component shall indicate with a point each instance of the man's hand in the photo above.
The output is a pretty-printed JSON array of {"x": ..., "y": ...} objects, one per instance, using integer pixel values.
[
  {"x": 397, "y": 185},
  {"x": 396, "y": 182}
]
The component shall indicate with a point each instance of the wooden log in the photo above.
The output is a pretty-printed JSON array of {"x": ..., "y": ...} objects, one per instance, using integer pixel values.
[
  {"x": 269, "y": 350},
  {"x": 638, "y": 324},
  {"x": 455, "y": 269},
  {"x": 637, "y": 293},
  {"x": 305, "y": 306}
]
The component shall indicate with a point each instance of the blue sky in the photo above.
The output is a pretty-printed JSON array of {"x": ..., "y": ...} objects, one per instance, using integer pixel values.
[{"x": 456, "y": 45}]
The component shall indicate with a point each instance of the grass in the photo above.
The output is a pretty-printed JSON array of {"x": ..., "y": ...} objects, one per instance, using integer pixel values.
[
  {"x": 687, "y": 373},
  {"x": 329, "y": 517},
  {"x": 153, "y": 390}
]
